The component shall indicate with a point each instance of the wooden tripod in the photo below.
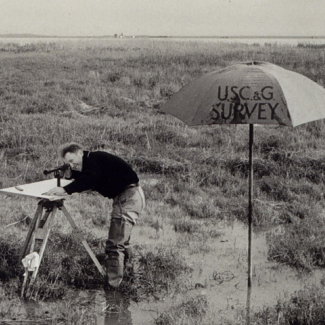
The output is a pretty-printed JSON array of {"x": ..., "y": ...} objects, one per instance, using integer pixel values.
[{"x": 40, "y": 229}]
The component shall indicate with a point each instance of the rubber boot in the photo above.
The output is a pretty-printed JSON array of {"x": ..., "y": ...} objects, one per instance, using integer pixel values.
[
  {"x": 118, "y": 238},
  {"x": 114, "y": 270}
]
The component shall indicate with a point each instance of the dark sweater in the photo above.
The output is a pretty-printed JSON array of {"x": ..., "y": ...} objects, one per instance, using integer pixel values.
[{"x": 105, "y": 173}]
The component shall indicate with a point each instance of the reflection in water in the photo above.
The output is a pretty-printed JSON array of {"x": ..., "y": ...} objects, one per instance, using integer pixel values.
[
  {"x": 113, "y": 308},
  {"x": 30, "y": 307},
  {"x": 105, "y": 307}
]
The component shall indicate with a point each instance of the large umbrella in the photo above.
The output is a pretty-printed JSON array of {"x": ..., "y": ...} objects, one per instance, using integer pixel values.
[{"x": 249, "y": 93}]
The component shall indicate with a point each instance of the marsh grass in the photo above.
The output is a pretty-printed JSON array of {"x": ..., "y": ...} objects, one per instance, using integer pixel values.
[
  {"x": 191, "y": 311},
  {"x": 106, "y": 95},
  {"x": 195, "y": 235},
  {"x": 9, "y": 261},
  {"x": 67, "y": 311},
  {"x": 164, "y": 271},
  {"x": 303, "y": 307},
  {"x": 301, "y": 246}
]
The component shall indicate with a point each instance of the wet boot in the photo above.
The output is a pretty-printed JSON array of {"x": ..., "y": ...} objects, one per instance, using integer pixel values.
[
  {"x": 128, "y": 268},
  {"x": 114, "y": 270},
  {"x": 118, "y": 238}
]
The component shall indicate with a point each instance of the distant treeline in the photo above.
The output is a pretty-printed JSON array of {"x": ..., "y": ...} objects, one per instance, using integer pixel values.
[{"x": 311, "y": 46}]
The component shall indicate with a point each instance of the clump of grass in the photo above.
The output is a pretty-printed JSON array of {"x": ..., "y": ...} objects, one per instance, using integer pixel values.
[
  {"x": 46, "y": 287},
  {"x": 261, "y": 167},
  {"x": 190, "y": 226},
  {"x": 187, "y": 196},
  {"x": 191, "y": 311},
  {"x": 297, "y": 167},
  {"x": 302, "y": 245},
  {"x": 67, "y": 260},
  {"x": 272, "y": 143},
  {"x": 276, "y": 189},
  {"x": 10, "y": 265},
  {"x": 158, "y": 166},
  {"x": 304, "y": 307},
  {"x": 71, "y": 310},
  {"x": 61, "y": 270},
  {"x": 289, "y": 190},
  {"x": 163, "y": 272},
  {"x": 196, "y": 243},
  {"x": 65, "y": 263},
  {"x": 185, "y": 225},
  {"x": 204, "y": 209}
]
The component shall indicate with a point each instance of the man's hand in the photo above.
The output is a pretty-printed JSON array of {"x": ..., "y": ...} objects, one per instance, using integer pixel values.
[{"x": 60, "y": 191}]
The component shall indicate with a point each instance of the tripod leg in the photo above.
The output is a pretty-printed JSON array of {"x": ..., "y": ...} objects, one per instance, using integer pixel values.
[
  {"x": 84, "y": 242},
  {"x": 44, "y": 219},
  {"x": 24, "y": 282},
  {"x": 31, "y": 230},
  {"x": 47, "y": 228},
  {"x": 32, "y": 246},
  {"x": 31, "y": 238}
]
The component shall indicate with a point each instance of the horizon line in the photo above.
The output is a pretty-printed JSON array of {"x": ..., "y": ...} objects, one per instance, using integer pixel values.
[{"x": 30, "y": 35}]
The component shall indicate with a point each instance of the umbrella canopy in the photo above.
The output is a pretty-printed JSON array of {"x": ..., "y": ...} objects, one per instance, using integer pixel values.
[{"x": 249, "y": 93}]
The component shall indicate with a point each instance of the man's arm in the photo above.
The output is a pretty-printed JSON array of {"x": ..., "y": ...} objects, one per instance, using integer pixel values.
[
  {"x": 56, "y": 191},
  {"x": 83, "y": 182}
]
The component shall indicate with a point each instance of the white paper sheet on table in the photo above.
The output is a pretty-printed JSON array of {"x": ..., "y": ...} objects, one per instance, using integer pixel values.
[{"x": 36, "y": 190}]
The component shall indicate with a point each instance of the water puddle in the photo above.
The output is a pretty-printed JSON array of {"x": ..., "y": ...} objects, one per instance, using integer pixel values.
[
  {"x": 112, "y": 308},
  {"x": 224, "y": 271},
  {"x": 219, "y": 273}
]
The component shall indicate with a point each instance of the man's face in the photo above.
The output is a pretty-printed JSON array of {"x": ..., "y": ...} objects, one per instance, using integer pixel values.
[{"x": 74, "y": 159}]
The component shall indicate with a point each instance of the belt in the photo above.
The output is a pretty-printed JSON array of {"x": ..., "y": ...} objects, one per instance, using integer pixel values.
[{"x": 132, "y": 185}]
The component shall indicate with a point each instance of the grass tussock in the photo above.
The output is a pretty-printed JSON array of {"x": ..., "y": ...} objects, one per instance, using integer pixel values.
[
  {"x": 9, "y": 261},
  {"x": 65, "y": 264},
  {"x": 71, "y": 310},
  {"x": 303, "y": 307},
  {"x": 193, "y": 227},
  {"x": 301, "y": 245},
  {"x": 191, "y": 311},
  {"x": 163, "y": 271}
]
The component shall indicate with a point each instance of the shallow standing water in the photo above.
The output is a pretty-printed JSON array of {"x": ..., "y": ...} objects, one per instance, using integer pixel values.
[{"x": 220, "y": 274}]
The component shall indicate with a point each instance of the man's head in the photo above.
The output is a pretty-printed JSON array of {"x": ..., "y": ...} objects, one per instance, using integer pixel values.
[{"x": 72, "y": 154}]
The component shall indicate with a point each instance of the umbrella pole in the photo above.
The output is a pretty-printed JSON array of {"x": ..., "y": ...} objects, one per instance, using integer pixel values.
[{"x": 250, "y": 227}]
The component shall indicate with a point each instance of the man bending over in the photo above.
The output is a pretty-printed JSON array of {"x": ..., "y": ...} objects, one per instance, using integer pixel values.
[{"x": 113, "y": 178}]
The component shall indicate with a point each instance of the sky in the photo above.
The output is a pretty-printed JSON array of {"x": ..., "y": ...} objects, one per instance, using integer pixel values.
[{"x": 163, "y": 17}]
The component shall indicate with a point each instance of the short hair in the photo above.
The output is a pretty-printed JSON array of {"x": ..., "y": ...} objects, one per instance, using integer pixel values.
[{"x": 71, "y": 147}]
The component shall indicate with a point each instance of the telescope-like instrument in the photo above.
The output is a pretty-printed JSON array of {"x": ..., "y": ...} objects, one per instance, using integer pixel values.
[
  {"x": 59, "y": 168},
  {"x": 58, "y": 172}
]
